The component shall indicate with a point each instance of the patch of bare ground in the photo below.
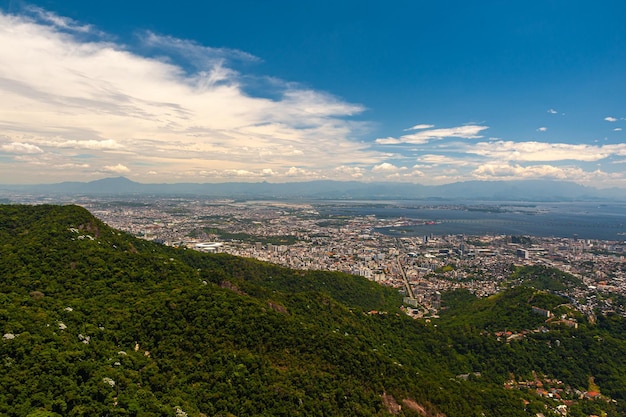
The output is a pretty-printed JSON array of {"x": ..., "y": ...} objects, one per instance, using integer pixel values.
[
  {"x": 229, "y": 285},
  {"x": 277, "y": 307},
  {"x": 91, "y": 227},
  {"x": 420, "y": 409},
  {"x": 132, "y": 249},
  {"x": 391, "y": 404}
]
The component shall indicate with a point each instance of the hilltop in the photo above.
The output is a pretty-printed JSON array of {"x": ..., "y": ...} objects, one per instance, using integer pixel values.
[{"x": 97, "y": 322}]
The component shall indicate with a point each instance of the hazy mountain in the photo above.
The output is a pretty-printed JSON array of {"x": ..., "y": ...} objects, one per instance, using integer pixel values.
[{"x": 529, "y": 190}]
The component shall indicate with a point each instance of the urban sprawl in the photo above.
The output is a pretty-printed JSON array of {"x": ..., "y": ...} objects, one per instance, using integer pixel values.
[{"x": 295, "y": 235}]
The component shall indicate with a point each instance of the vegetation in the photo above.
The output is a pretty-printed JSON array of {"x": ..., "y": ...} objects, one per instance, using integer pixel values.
[
  {"x": 545, "y": 278},
  {"x": 246, "y": 237},
  {"x": 96, "y": 322},
  {"x": 522, "y": 240},
  {"x": 507, "y": 310}
]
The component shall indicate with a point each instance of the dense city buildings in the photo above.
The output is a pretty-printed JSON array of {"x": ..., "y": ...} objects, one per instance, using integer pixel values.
[{"x": 297, "y": 236}]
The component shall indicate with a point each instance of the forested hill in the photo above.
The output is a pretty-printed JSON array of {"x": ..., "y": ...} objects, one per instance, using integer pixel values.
[{"x": 96, "y": 322}]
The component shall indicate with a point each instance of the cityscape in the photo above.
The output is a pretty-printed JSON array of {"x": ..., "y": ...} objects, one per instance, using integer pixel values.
[
  {"x": 296, "y": 235},
  {"x": 313, "y": 208}
]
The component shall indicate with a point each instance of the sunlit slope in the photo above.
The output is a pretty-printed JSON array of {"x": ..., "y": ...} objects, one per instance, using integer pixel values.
[{"x": 97, "y": 322}]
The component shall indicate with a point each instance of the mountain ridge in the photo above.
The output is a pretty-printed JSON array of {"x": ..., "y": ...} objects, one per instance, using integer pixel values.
[{"x": 519, "y": 190}]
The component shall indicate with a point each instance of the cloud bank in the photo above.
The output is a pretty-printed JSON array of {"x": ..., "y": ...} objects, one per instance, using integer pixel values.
[{"x": 77, "y": 105}]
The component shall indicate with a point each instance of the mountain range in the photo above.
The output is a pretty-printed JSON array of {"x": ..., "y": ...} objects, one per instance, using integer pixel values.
[{"x": 523, "y": 190}]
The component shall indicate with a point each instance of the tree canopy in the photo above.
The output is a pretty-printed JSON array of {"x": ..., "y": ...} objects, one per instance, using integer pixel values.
[{"x": 97, "y": 322}]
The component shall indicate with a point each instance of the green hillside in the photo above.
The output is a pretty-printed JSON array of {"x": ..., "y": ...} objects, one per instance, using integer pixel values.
[
  {"x": 545, "y": 278},
  {"x": 97, "y": 322},
  {"x": 508, "y": 310}
]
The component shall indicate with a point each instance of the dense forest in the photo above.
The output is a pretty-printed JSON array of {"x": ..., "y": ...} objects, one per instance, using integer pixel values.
[{"x": 97, "y": 322}]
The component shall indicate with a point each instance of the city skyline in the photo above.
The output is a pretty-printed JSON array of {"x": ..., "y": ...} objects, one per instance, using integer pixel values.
[{"x": 412, "y": 91}]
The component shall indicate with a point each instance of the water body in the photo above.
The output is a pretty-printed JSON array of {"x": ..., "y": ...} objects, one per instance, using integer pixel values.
[{"x": 569, "y": 220}]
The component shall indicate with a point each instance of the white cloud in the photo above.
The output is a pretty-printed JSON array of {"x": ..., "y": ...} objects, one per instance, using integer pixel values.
[
  {"x": 541, "y": 151},
  {"x": 542, "y": 129},
  {"x": 297, "y": 172},
  {"x": 117, "y": 169},
  {"x": 293, "y": 173},
  {"x": 434, "y": 159},
  {"x": 349, "y": 172},
  {"x": 147, "y": 112},
  {"x": 199, "y": 56},
  {"x": 610, "y": 119},
  {"x": 552, "y": 111},
  {"x": 388, "y": 141},
  {"x": 492, "y": 170},
  {"x": 417, "y": 172},
  {"x": 385, "y": 167},
  {"x": 420, "y": 127},
  {"x": 71, "y": 166},
  {"x": 21, "y": 148},
  {"x": 84, "y": 144},
  {"x": 464, "y": 132},
  {"x": 617, "y": 129},
  {"x": 501, "y": 171},
  {"x": 243, "y": 173},
  {"x": 60, "y": 22}
]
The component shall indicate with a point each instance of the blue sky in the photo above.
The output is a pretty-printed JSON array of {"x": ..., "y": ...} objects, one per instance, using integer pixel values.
[{"x": 414, "y": 91}]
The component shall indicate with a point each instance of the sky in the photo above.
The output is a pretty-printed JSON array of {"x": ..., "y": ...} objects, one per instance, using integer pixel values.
[{"x": 428, "y": 92}]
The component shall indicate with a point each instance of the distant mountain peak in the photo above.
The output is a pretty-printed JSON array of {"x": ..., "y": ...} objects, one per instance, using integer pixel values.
[{"x": 114, "y": 180}]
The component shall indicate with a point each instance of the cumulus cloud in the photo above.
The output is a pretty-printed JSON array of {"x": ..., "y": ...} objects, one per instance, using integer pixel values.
[
  {"x": 501, "y": 171},
  {"x": 117, "y": 169},
  {"x": 349, "y": 172},
  {"x": 495, "y": 170},
  {"x": 417, "y": 172},
  {"x": 542, "y": 129},
  {"x": 617, "y": 129},
  {"x": 552, "y": 111},
  {"x": 391, "y": 172},
  {"x": 297, "y": 172},
  {"x": 610, "y": 119},
  {"x": 425, "y": 136},
  {"x": 385, "y": 167}
]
